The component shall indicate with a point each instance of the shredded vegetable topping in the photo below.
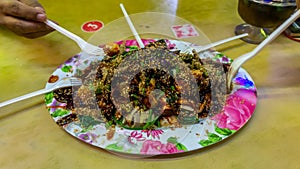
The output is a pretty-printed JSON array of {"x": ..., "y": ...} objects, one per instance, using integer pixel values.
[{"x": 152, "y": 87}]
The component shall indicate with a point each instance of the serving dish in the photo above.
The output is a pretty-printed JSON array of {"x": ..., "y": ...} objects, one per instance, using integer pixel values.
[{"x": 238, "y": 109}]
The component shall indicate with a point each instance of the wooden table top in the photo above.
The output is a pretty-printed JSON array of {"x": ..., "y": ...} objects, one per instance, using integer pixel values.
[{"x": 30, "y": 138}]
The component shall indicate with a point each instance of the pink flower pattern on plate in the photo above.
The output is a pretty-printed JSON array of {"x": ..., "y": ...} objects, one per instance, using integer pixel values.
[
  {"x": 153, "y": 133},
  {"x": 170, "y": 45},
  {"x": 238, "y": 110},
  {"x": 88, "y": 137},
  {"x": 156, "y": 147},
  {"x": 135, "y": 137},
  {"x": 134, "y": 42}
]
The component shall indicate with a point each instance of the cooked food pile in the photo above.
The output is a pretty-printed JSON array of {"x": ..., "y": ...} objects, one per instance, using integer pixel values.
[{"x": 151, "y": 87}]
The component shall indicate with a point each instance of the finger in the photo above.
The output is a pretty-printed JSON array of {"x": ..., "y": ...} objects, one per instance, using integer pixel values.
[
  {"x": 22, "y": 27},
  {"x": 37, "y": 34},
  {"x": 33, "y": 3},
  {"x": 21, "y": 10}
]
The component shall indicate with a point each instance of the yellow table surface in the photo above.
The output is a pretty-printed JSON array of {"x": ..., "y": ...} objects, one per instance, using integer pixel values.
[{"x": 29, "y": 138}]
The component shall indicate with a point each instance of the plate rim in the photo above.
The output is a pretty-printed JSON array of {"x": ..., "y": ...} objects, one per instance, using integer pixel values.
[{"x": 58, "y": 71}]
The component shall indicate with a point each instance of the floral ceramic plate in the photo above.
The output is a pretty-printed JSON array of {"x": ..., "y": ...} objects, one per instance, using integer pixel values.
[{"x": 238, "y": 109}]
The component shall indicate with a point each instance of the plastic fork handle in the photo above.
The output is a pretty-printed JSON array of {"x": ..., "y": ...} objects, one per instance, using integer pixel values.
[
  {"x": 65, "y": 32},
  {"x": 133, "y": 30},
  {"x": 220, "y": 42},
  {"x": 23, "y": 97},
  {"x": 277, "y": 32}
]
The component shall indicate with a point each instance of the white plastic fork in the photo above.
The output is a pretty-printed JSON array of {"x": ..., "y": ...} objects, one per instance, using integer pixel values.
[
  {"x": 220, "y": 42},
  {"x": 85, "y": 46},
  {"x": 132, "y": 28},
  {"x": 237, "y": 63},
  {"x": 66, "y": 82},
  {"x": 199, "y": 49}
]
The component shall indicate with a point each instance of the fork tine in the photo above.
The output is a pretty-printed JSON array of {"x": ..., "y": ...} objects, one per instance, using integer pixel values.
[
  {"x": 75, "y": 81},
  {"x": 85, "y": 46},
  {"x": 72, "y": 81},
  {"x": 94, "y": 51},
  {"x": 237, "y": 63}
]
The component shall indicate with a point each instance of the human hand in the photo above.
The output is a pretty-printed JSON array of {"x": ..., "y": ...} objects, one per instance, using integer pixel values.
[{"x": 24, "y": 17}]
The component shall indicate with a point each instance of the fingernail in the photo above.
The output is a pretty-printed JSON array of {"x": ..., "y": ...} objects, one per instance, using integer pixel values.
[{"x": 41, "y": 17}]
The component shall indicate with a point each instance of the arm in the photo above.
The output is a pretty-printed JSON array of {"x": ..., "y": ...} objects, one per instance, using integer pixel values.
[{"x": 24, "y": 17}]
